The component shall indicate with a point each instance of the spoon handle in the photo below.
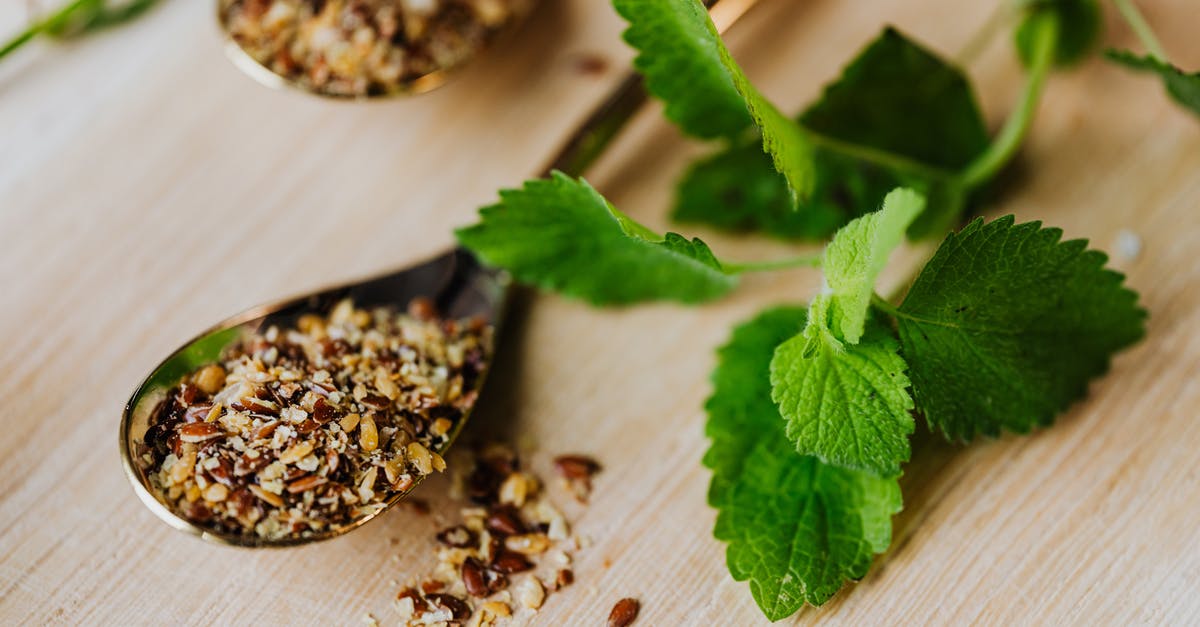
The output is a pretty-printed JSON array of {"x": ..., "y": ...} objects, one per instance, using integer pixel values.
[{"x": 588, "y": 141}]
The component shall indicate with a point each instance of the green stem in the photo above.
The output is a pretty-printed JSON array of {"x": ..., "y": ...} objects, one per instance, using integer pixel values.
[
  {"x": 1006, "y": 143},
  {"x": 1141, "y": 28},
  {"x": 876, "y": 156},
  {"x": 809, "y": 261},
  {"x": 883, "y": 305},
  {"x": 36, "y": 28}
]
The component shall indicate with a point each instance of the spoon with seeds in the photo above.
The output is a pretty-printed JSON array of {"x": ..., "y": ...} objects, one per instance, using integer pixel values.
[
  {"x": 302, "y": 420},
  {"x": 360, "y": 49}
]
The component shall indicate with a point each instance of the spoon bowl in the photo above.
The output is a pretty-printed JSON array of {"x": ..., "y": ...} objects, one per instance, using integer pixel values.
[
  {"x": 432, "y": 75},
  {"x": 459, "y": 287}
]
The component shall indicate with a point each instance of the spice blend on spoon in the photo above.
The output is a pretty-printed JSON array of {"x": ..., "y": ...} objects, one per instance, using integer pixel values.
[
  {"x": 304, "y": 429},
  {"x": 364, "y": 47}
]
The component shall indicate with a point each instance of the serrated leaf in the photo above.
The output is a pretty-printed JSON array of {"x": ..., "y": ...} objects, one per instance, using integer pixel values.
[
  {"x": 858, "y": 253},
  {"x": 1006, "y": 325},
  {"x": 847, "y": 405},
  {"x": 897, "y": 97},
  {"x": 682, "y": 65},
  {"x": 560, "y": 234},
  {"x": 680, "y": 53},
  {"x": 796, "y": 528},
  {"x": 1183, "y": 87},
  {"x": 1079, "y": 26},
  {"x": 738, "y": 189}
]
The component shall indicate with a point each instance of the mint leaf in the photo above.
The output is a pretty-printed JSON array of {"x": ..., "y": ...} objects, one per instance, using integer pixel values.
[
  {"x": 897, "y": 97},
  {"x": 846, "y": 405},
  {"x": 738, "y": 189},
  {"x": 1006, "y": 324},
  {"x": 681, "y": 53},
  {"x": 1079, "y": 28},
  {"x": 1184, "y": 88},
  {"x": 561, "y": 234},
  {"x": 858, "y": 253},
  {"x": 682, "y": 64},
  {"x": 796, "y": 529}
]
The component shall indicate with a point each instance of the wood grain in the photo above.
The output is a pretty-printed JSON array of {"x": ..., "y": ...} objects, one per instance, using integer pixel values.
[{"x": 148, "y": 189}]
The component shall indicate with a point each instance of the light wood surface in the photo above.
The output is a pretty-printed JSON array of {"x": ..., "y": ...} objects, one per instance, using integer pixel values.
[{"x": 148, "y": 189}]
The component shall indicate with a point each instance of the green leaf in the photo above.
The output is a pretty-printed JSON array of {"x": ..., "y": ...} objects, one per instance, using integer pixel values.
[
  {"x": 561, "y": 234},
  {"x": 858, "y": 253},
  {"x": 682, "y": 56},
  {"x": 1079, "y": 29},
  {"x": 796, "y": 529},
  {"x": 847, "y": 405},
  {"x": 898, "y": 98},
  {"x": 1183, "y": 87},
  {"x": 682, "y": 64},
  {"x": 1006, "y": 324},
  {"x": 738, "y": 189}
]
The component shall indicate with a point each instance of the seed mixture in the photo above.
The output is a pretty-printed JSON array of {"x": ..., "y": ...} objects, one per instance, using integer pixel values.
[
  {"x": 363, "y": 47},
  {"x": 511, "y": 550},
  {"x": 304, "y": 429}
]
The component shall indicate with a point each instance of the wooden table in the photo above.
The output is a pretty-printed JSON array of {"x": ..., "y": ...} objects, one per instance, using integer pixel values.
[{"x": 148, "y": 189}]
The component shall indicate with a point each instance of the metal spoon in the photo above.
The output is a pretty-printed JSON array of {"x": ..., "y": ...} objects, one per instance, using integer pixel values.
[
  {"x": 458, "y": 285},
  {"x": 431, "y": 74}
]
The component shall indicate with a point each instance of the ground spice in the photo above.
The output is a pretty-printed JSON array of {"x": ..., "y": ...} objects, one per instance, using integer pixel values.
[
  {"x": 364, "y": 47},
  {"x": 299, "y": 430}
]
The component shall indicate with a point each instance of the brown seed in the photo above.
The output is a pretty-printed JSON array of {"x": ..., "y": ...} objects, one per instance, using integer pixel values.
[
  {"x": 457, "y": 536},
  {"x": 509, "y": 562},
  {"x": 269, "y": 497},
  {"x": 199, "y": 432},
  {"x": 473, "y": 579},
  {"x": 565, "y": 577},
  {"x": 506, "y": 520},
  {"x": 323, "y": 412},
  {"x": 332, "y": 459},
  {"x": 431, "y": 586},
  {"x": 422, "y": 308},
  {"x": 210, "y": 379},
  {"x": 246, "y": 465},
  {"x": 459, "y": 610},
  {"x": 305, "y": 484},
  {"x": 197, "y": 413},
  {"x": 264, "y": 431},
  {"x": 624, "y": 612},
  {"x": 496, "y": 581},
  {"x": 222, "y": 473},
  {"x": 576, "y": 466}
]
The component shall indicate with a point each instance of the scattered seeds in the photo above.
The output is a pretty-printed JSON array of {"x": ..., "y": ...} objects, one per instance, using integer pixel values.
[{"x": 501, "y": 557}]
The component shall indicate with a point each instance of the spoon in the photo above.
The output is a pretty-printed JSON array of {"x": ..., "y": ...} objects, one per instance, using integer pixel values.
[
  {"x": 455, "y": 282},
  {"x": 412, "y": 48}
]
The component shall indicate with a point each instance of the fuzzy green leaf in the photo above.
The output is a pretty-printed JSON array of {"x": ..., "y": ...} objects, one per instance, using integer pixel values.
[
  {"x": 683, "y": 58},
  {"x": 847, "y": 405},
  {"x": 738, "y": 189},
  {"x": 682, "y": 64},
  {"x": 1183, "y": 87},
  {"x": 1006, "y": 324},
  {"x": 796, "y": 528},
  {"x": 562, "y": 235},
  {"x": 858, "y": 253},
  {"x": 899, "y": 98}
]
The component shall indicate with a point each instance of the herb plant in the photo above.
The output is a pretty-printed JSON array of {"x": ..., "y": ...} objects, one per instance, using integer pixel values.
[
  {"x": 813, "y": 406},
  {"x": 78, "y": 18}
]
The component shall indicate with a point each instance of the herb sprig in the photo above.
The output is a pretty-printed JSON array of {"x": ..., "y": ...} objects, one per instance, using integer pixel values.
[
  {"x": 78, "y": 18},
  {"x": 812, "y": 408}
]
